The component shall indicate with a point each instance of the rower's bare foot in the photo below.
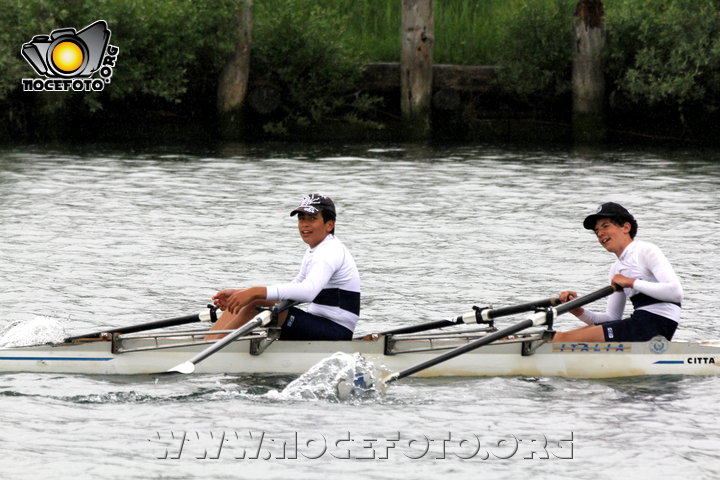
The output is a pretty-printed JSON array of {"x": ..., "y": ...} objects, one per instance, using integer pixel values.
[{"x": 215, "y": 337}]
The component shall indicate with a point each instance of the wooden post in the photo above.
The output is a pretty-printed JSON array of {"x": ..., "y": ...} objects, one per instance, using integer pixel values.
[
  {"x": 416, "y": 67},
  {"x": 233, "y": 81},
  {"x": 588, "y": 81}
]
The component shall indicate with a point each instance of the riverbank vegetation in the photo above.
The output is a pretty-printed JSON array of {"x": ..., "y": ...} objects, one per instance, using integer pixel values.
[{"x": 662, "y": 57}]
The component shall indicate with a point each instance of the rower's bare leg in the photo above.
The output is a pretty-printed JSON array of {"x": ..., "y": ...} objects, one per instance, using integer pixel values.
[
  {"x": 590, "y": 333},
  {"x": 231, "y": 321}
]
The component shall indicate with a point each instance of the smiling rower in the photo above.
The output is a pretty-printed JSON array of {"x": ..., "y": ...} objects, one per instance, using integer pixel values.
[
  {"x": 328, "y": 281},
  {"x": 643, "y": 274}
]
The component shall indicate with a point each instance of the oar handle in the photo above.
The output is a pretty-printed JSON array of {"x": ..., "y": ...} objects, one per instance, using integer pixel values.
[
  {"x": 547, "y": 316},
  {"x": 590, "y": 297}
]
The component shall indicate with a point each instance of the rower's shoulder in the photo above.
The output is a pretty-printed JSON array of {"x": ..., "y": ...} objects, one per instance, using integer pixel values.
[
  {"x": 332, "y": 242},
  {"x": 336, "y": 252},
  {"x": 330, "y": 247},
  {"x": 643, "y": 245},
  {"x": 647, "y": 246}
]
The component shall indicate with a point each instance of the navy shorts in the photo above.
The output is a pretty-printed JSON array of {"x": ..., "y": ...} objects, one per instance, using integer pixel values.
[
  {"x": 301, "y": 325},
  {"x": 640, "y": 327}
]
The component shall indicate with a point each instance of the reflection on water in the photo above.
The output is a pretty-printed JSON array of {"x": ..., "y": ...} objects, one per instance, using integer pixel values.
[{"x": 652, "y": 390}]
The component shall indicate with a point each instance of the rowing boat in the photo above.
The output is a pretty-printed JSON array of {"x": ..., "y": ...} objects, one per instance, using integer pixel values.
[
  {"x": 527, "y": 354},
  {"x": 255, "y": 348}
]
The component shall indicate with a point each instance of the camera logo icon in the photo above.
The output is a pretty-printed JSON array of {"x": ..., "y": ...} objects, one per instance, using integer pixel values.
[{"x": 67, "y": 54}]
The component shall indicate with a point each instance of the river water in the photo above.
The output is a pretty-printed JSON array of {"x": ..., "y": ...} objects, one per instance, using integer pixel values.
[{"x": 101, "y": 236}]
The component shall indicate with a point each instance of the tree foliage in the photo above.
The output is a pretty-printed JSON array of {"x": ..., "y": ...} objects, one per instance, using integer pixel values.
[
  {"x": 303, "y": 50},
  {"x": 659, "y": 52},
  {"x": 666, "y": 51},
  {"x": 535, "y": 47},
  {"x": 165, "y": 47}
]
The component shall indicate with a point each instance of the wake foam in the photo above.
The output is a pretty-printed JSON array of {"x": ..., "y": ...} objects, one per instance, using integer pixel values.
[
  {"x": 342, "y": 377},
  {"x": 36, "y": 331}
]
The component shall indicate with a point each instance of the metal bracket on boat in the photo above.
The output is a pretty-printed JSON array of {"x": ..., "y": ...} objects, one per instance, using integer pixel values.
[
  {"x": 114, "y": 343},
  {"x": 389, "y": 344},
  {"x": 258, "y": 345},
  {"x": 529, "y": 347}
]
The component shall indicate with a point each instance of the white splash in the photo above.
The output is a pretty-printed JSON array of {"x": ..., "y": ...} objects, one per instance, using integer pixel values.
[
  {"x": 338, "y": 378},
  {"x": 35, "y": 331}
]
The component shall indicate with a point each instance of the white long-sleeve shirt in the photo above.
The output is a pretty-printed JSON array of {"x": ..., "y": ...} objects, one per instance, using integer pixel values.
[
  {"x": 329, "y": 280},
  {"x": 654, "y": 276}
]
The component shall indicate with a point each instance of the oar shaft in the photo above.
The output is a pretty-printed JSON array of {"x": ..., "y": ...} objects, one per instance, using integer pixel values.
[
  {"x": 525, "y": 307},
  {"x": 260, "y": 320},
  {"x": 169, "y": 322},
  {"x": 479, "y": 315},
  {"x": 230, "y": 337},
  {"x": 460, "y": 350},
  {"x": 421, "y": 327}
]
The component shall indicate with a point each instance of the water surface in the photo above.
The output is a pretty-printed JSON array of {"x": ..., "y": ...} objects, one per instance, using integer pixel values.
[{"x": 103, "y": 236}]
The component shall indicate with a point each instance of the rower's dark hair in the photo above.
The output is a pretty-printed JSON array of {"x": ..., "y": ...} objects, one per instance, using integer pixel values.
[{"x": 621, "y": 220}]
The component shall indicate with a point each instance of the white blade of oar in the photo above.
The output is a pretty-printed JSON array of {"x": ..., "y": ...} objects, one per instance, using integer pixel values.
[
  {"x": 185, "y": 367},
  {"x": 537, "y": 319},
  {"x": 262, "y": 319}
]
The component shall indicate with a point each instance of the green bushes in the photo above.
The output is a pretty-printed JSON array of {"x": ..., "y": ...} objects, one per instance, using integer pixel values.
[
  {"x": 303, "y": 50},
  {"x": 165, "y": 47},
  {"x": 666, "y": 52},
  {"x": 534, "y": 50},
  {"x": 660, "y": 53},
  {"x": 20, "y": 22}
]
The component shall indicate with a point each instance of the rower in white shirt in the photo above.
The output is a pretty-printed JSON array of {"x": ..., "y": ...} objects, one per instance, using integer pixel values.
[
  {"x": 641, "y": 273},
  {"x": 328, "y": 281}
]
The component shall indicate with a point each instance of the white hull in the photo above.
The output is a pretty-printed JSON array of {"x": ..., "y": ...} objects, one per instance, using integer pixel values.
[{"x": 149, "y": 354}]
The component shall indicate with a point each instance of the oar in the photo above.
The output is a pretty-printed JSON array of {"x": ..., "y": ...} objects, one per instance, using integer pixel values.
[
  {"x": 260, "y": 320},
  {"x": 539, "y": 318},
  {"x": 478, "y": 315},
  {"x": 209, "y": 316}
]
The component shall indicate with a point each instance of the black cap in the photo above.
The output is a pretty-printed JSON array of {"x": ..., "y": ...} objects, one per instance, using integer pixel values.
[
  {"x": 608, "y": 210},
  {"x": 315, "y": 202}
]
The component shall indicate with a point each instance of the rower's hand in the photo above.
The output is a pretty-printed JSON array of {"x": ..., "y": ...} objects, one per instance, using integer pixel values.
[
  {"x": 567, "y": 295},
  {"x": 622, "y": 281},
  {"x": 235, "y": 300},
  {"x": 220, "y": 299}
]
